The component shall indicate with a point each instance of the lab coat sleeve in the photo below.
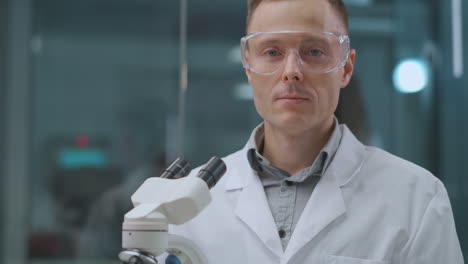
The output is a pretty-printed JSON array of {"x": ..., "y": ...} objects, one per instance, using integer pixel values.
[{"x": 436, "y": 240}]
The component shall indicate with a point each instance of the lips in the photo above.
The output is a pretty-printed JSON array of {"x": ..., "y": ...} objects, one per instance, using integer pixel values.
[{"x": 292, "y": 98}]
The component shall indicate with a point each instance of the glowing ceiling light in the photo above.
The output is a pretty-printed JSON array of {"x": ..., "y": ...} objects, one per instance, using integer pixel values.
[{"x": 411, "y": 75}]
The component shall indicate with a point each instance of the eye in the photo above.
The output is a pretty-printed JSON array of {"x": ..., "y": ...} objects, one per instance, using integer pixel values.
[
  {"x": 316, "y": 52},
  {"x": 271, "y": 53}
]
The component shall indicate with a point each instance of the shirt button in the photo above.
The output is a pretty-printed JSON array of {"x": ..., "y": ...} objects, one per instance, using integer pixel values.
[
  {"x": 282, "y": 233},
  {"x": 289, "y": 183}
]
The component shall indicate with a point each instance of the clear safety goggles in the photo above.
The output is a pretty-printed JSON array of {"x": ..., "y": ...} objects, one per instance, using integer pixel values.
[{"x": 316, "y": 52}]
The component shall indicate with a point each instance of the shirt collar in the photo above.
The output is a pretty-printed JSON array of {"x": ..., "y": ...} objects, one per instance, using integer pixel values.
[{"x": 265, "y": 168}]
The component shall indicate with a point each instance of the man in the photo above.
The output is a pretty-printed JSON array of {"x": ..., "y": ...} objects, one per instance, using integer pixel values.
[{"x": 304, "y": 189}]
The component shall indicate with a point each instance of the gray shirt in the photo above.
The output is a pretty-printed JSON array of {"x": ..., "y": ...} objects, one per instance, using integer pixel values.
[{"x": 288, "y": 194}]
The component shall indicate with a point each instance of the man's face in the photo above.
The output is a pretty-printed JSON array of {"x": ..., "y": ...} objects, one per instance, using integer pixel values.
[{"x": 293, "y": 98}]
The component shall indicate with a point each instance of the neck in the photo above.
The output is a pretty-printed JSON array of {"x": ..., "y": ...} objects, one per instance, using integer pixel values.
[{"x": 293, "y": 152}]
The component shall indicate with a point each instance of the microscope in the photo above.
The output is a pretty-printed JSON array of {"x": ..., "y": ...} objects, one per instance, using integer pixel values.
[{"x": 171, "y": 198}]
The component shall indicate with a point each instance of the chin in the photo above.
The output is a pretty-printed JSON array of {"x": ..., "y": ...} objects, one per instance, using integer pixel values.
[
  {"x": 295, "y": 122},
  {"x": 299, "y": 121}
]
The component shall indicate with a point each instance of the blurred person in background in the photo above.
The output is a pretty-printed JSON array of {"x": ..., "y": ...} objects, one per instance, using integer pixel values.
[
  {"x": 102, "y": 235},
  {"x": 352, "y": 112}
]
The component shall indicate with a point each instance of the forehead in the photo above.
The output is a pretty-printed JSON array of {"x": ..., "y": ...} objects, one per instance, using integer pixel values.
[
  {"x": 277, "y": 15},
  {"x": 291, "y": 37}
]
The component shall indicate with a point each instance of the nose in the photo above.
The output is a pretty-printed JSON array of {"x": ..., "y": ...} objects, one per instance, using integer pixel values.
[{"x": 292, "y": 68}]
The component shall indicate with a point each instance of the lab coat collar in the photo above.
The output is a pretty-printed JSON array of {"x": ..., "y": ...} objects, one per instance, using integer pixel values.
[
  {"x": 347, "y": 157},
  {"x": 240, "y": 174},
  {"x": 324, "y": 206},
  {"x": 252, "y": 206}
]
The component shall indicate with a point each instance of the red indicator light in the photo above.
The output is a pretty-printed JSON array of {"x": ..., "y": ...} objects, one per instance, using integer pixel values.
[{"x": 81, "y": 141}]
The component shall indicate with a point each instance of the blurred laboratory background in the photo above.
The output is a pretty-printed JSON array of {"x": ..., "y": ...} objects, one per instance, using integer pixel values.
[{"x": 91, "y": 105}]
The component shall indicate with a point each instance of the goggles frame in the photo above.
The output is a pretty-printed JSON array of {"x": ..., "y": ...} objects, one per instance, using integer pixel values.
[{"x": 341, "y": 37}]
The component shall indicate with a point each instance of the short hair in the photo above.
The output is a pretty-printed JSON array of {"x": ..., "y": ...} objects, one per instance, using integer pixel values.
[{"x": 338, "y": 5}]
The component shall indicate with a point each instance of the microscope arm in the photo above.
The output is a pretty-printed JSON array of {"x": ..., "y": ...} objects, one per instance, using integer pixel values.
[{"x": 185, "y": 250}]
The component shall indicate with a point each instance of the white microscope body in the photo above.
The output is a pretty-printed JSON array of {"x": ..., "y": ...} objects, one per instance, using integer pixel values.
[{"x": 163, "y": 201}]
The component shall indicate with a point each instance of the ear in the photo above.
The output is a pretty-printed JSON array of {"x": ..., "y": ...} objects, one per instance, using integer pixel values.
[
  {"x": 348, "y": 68},
  {"x": 248, "y": 73}
]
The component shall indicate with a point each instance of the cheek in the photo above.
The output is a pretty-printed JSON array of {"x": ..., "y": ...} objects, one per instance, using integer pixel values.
[
  {"x": 328, "y": 90},
  {"x": 261, "y": 91},
  {"x": 260, "y": 100}
]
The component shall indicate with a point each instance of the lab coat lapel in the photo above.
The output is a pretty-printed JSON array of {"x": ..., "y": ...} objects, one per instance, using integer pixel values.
[
  {"x": 326, "y": 203},
  {"x": 324, "y": 206},
  {"x": 253, "y": 209}
]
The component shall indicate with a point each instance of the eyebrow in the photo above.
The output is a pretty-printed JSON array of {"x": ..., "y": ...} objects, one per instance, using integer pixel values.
[
  {"x": 303, "y": 41},
  {"x": 269, "y": 40}
]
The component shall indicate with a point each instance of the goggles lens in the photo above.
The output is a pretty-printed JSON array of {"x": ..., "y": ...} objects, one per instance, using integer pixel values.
[{"x": 317, "y": 52}]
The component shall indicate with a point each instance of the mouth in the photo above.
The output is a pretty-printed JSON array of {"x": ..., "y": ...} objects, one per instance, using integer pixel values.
[{"x": 291, "y": 98}]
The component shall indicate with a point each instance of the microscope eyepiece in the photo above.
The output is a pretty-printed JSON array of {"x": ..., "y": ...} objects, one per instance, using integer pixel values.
[
  {"x": 178, "y": 169},
  {"x": 212, "y": 171}
]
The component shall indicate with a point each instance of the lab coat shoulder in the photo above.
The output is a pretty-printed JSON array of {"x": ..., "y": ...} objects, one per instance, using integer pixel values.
[
  {"x": 412, "y": 201},
  {"x": 403, "y": 170},
  {"x": 396, "y": 177},
  {"x": 395, "y": 180}
]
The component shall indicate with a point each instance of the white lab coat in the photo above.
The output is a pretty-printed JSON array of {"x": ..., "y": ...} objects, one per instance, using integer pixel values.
[{"x": 369, "y": 207}]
